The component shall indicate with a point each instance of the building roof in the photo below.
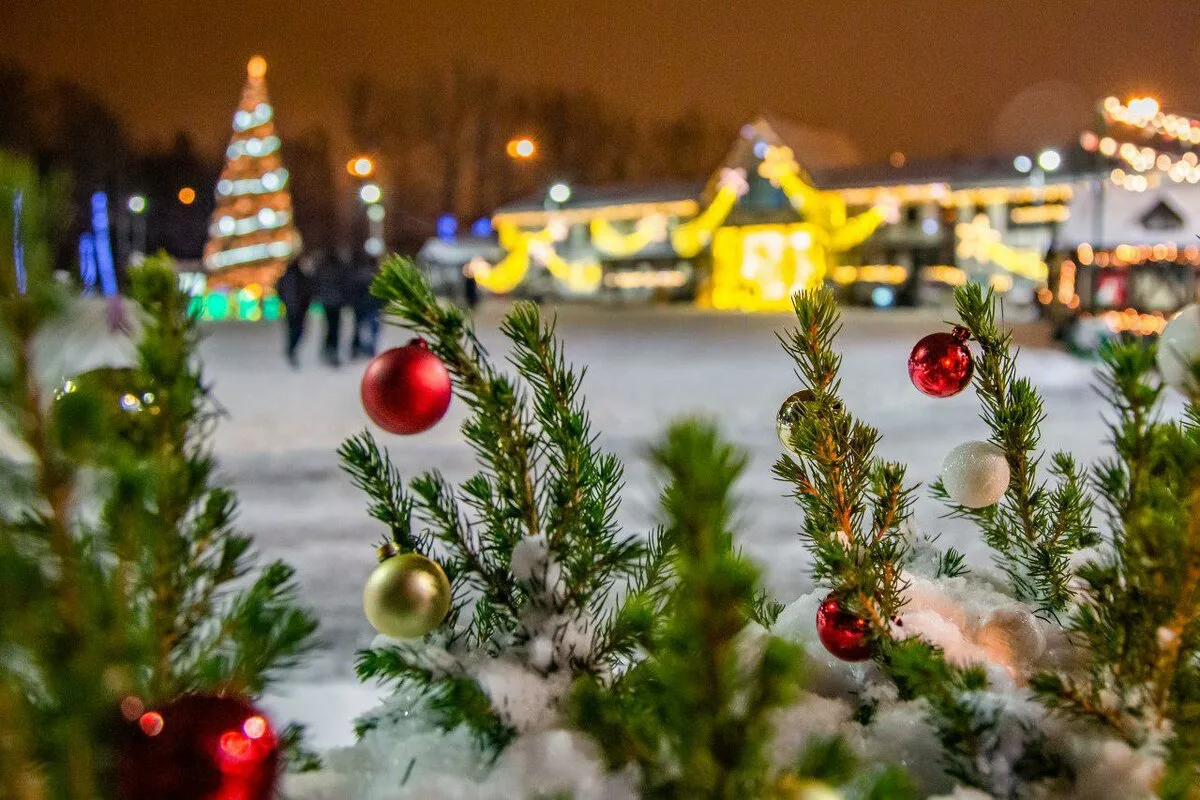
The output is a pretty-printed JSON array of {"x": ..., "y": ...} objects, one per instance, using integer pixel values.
[{"x": 599, "y": 196}]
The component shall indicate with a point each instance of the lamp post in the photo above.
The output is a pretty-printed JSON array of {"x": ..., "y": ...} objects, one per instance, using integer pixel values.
[
  {"x": 137, "y": 213},
  {"x": 372, "y": 197}
]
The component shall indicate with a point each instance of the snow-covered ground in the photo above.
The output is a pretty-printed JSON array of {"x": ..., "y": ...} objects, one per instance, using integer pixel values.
[{"x": 645, "y": 367}]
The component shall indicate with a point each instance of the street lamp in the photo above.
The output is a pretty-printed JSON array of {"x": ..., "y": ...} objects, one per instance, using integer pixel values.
[
  {"x": 372, "y": 195},
  {"x": 137, "y": 208},
  {"x": 1049, "y": 160},
  {"x": 522, "y": 148},
  {"x": 560, "y": 193},
  {"x": 360, "y": 166}
]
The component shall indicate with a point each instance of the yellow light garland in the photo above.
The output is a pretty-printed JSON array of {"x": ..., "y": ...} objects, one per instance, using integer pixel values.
[
  {"x": 979, "y": 240},
  {"x": 611, "y": 242}
]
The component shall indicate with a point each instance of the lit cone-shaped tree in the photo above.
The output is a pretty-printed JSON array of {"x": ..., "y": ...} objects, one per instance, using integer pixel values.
[{"x": 251, "y": 234}]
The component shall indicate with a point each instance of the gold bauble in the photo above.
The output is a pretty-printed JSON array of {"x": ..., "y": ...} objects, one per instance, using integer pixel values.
[
  {"x": 104, "y": 402},
  {"x": 793, "y": 787},
  {"x": 407, "y": 595}
]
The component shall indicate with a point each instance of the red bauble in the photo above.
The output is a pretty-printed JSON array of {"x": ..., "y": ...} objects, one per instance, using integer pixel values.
[
  {"x": 940, "y": 365},
  {"x": 406, "y": 389},
  {"x": 844, "y": 633},
  {"x": 197, "y": 747}
]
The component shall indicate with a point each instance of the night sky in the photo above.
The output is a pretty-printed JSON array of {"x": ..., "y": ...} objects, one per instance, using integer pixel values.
[{"x": 921, "y": 76}]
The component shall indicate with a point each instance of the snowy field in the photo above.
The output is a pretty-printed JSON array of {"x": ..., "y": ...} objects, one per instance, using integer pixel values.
[{"x": 645, "y": 367}]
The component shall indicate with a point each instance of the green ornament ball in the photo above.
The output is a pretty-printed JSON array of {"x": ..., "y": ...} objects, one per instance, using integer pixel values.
[
  {"x": 407, "y": 595},
  {"x": 114, "y": 401},
  {"x": 790, "y": 413}
]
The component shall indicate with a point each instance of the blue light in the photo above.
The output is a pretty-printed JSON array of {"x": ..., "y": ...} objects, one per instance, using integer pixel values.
[
  {"x": 447, "y": 226},
  {"x": 482, "y": 228},
  {"x": 103, "y": 247},
  {"x": 19, "y": 242},
  {"x": 87, "y": 262},
  {"x": 929, "y": 226},
  {"x": 882, "y": 297},
  {"x": 761, "y": 148}
]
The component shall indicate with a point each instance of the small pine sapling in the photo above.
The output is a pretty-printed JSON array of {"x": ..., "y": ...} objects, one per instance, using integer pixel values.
[
  {"x": 1036, "y": 527},
  {"x": 116, "y": 556},
  {"x": 696, "y": 714},
  {"x": 530, "y": 543},
  {"x": 1139, "y": 617},
  {"x": 854, "y": 507}
]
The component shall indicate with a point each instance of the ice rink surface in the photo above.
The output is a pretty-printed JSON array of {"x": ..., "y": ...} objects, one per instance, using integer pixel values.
[{"x": 645, "y": 367}]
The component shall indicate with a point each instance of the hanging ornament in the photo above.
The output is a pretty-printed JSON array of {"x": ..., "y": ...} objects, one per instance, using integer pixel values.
[
  {"x": 407, "y": 595},
  {"x": 789, "y": 415},
  {"x": 197, "y": 747},
  {"x": 844, "y": 633},
  {"x": 1012, "y": 637},
  {"x": 1179, "y": 350},
  {"x": 940, "y": 364},
  {"x": 975, "y": 474},
  {"x": 113, "y": 399},
  {"x": 406, "y": 390}
]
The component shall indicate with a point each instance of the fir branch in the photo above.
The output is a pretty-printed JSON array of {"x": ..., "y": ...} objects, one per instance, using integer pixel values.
[
  {"x": 1034, "y": 530},
  {"x": 836, "y": 477},
  {"x": 499, "y": 431},
  {"x": 371, "y": 470}
]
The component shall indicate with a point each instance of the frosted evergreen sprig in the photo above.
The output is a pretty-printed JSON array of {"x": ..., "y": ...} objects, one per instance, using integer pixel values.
[
  {"x": 541, "y": 574},
  {"x": 854, "y": 504},
  {"x": 1036, "y": 527},
  {"x": 1139, "y": 619}
]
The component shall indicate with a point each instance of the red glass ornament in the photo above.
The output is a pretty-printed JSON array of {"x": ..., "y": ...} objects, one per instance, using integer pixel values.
[
  {"x": 407, "y": 389},
  {"x": 940, "y": 365},
  {"x": 844, "y": 633},
  {"x": 198, "y": 747}
]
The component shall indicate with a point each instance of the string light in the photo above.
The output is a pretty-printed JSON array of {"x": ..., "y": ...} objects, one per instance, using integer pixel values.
[{"x": 187, "y": 195}]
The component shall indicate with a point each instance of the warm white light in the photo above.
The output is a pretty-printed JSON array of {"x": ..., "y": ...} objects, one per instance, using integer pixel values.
[
  {"x": 1022, "y": 163},
  {"x": 370, "y": 193},
  {"x": 1049, "y": 160},
  {"x": 137, "y": 203},
  {"x": 360, "y": 167},
  {"x": 375, "y": 213},
  {"x": 560, "y": 193}
]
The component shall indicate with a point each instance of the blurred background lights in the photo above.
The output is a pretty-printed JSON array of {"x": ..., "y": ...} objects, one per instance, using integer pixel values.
[
  {"x": 360, "y": 167},
  {"x": 560, "y": 193},
  {"x": 187, "y": 195},
  {"x": 1022, "y": 164},
  {"x": 257, "y": 67},
  {"x": 1049, "y": 160},
  {"x": 137, "y": 203},
  {"x": 370, "y": 193}
]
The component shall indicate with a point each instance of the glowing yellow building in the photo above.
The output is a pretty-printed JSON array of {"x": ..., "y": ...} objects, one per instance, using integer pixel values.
[{"x": 792, "y": 207}]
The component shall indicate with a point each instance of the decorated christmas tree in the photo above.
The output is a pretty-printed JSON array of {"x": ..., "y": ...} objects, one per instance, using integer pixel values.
[
  {"x": 135, "y": 628},
  {"x": 538, "y": 651},
  {"x": 251, "y": 235}
]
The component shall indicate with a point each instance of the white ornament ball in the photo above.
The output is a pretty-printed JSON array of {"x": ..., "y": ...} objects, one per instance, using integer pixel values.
[
  {"x": 975, "y": 474},
  {"x": 1014, "y": 637},
  {"x": 1179, "y": 350}
]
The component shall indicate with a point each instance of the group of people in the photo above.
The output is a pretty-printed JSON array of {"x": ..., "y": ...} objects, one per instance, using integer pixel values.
[{"x": 338, "y": 284}]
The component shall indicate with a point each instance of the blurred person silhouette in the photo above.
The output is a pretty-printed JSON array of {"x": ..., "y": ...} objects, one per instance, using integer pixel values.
[
  {"x": 470, "y": 285},
  {"x": 295, "y": 289},
  {"x": 366, "y": 311},
  {"x": 333, "y": 291}
]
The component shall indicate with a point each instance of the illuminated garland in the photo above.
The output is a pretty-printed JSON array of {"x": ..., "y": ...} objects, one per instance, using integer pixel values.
[
  {"x": 694, "y": 235},
  {"x": 611, "y": 242},
  {"x": 1144, "y": 114},
  {"x": 524, "y": 247},
  {"x": 979, "y": 240}
]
